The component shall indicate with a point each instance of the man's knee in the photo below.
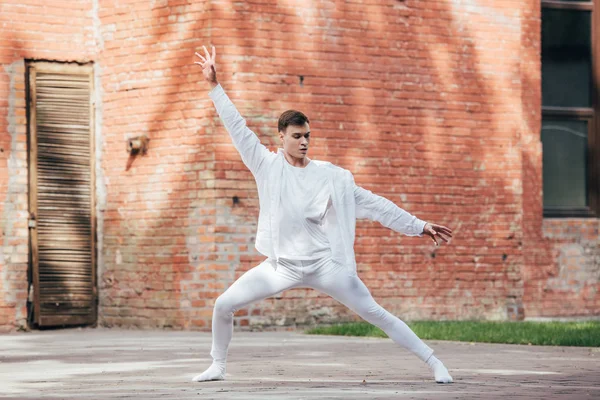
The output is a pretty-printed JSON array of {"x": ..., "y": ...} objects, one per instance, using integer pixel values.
[
  {"x": 373, "y": 313},
  {"x": 223, "y": 307}
]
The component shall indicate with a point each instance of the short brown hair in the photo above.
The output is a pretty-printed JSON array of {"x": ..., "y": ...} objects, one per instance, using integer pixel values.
[{"x": 291, "y": 117}]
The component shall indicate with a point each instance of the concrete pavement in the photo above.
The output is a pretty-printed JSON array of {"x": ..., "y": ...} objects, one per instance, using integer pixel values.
[{"x": 119, "y": 364}]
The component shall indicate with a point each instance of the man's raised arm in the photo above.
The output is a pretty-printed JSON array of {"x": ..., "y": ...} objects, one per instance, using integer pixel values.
[{"x": 245, "y": 141}]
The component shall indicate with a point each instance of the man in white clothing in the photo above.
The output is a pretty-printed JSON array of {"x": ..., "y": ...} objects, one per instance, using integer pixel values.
[{"x": 306, "y": 229}]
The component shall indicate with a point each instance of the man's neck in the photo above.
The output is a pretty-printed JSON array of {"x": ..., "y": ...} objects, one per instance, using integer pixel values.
[{"x": 296, "y": 162}]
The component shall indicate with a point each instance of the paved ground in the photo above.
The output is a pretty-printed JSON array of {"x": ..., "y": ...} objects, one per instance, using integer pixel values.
[{"x": 118, "y": 364}]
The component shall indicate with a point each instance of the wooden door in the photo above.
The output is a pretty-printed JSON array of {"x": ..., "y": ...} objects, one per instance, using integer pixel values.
[{"x": 61, "y": 193}]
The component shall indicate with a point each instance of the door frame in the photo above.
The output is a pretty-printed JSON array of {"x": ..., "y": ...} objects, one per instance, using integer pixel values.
[{"x": 31, "y": 69}]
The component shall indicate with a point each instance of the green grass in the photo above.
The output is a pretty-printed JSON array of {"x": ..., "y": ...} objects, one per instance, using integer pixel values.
[{"x": 585, "y": 333}]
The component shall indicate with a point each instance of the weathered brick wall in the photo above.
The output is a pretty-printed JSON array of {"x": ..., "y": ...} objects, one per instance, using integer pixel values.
[
  {"x": 159, "y": 214},
  {"x": 432, "y": 104},
  {"x": 422, "y": 102},
  {"x": 29, "y": 30},
  {"x": 565, "y": 280},
  {"x": 561, "y": 271}
]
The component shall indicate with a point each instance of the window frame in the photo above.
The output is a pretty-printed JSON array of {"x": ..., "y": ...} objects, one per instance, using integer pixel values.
[{"x": 591, "y": 115}]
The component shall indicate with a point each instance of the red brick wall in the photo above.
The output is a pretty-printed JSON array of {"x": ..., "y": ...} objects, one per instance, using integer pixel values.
[
  {"x": 561, "y": 272},
  {"x": 432, "y": 104},
  {"x": 422, "y": 102},
  {"x": 29, "y": 30},
  {"x": 159, "y": 212},
  {"x": 565, "y": 280}
]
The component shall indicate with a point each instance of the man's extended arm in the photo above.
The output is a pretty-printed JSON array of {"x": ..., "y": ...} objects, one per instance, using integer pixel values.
[
  {"x": 245, "y": 141},
  {"x": 388, "y": 214},
  {"x": 380, "y": 209}
]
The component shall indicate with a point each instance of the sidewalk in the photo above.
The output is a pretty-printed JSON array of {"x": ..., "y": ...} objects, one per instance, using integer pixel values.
[{"x": 111, "y": 364}]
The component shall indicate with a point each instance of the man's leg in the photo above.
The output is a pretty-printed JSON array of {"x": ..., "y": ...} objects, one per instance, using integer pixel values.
[
  {"x": 352, "y": 292},
  {"x": 257, "y": 284}
]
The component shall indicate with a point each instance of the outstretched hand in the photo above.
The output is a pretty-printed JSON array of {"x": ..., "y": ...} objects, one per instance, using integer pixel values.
[
  {"x": 435, "y": 231},
  {"x": 209, "y": 69}
]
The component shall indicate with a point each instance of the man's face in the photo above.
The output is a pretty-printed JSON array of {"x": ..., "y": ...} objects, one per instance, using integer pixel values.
[{"x": 295, "y": 140}]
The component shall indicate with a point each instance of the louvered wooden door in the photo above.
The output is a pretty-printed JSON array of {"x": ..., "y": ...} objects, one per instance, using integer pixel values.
[{"x": 62, "y": 223}]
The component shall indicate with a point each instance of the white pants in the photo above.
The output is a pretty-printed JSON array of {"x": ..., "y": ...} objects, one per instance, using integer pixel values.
[{"x": 324, "y": 275}]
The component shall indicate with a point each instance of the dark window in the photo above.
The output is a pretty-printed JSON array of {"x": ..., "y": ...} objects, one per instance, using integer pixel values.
[
  {"x": 566, "y": 58},
  {"x": 570, "y": 108},
  {"x": 565, "y": 146}
]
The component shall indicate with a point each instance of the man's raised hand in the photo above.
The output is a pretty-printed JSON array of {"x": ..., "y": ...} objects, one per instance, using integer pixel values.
[{"x": 207, "y": 62}]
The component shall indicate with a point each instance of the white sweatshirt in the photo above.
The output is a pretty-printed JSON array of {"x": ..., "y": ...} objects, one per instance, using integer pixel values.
[
  {"x": 349, "y": 201},
  {"x": 305, "y": 199}
]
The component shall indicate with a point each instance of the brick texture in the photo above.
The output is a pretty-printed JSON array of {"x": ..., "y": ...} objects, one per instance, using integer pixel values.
[
  {"x": 29, "y": 30},
  {"x": 432, "y": 104},
  {"x": 561, "y": 273}
]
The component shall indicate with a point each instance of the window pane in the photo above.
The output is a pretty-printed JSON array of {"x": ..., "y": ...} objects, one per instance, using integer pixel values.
[
  {"x": 564, "y": 163},
  {"x": 566, "y": 58}
]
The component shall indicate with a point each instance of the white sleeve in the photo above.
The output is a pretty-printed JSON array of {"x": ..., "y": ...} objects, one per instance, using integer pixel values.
[
  {"x": 245, "y": 141},
  {"x": 388, "y": 214}
]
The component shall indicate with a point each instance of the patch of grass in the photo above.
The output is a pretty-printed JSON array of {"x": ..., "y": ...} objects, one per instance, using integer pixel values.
[{"x": 584, "y": 333}]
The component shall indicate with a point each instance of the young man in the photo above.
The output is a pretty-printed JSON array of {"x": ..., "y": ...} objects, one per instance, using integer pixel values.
[{"x": 306, "y": 229}]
